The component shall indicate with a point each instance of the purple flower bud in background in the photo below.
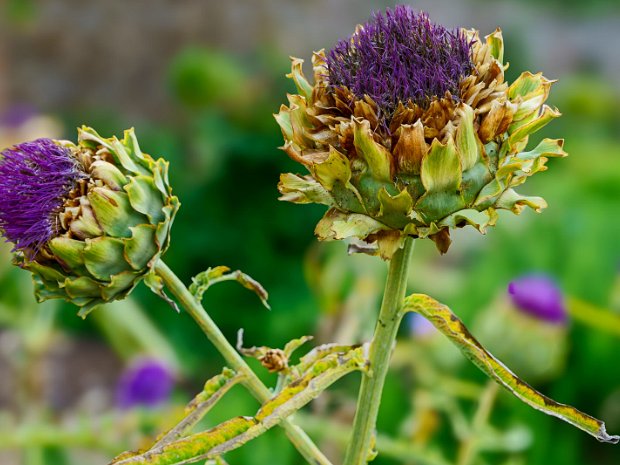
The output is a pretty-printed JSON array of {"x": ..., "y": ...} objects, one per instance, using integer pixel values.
[
  {"x": 145, "y": 383},
  {"x": 539, "y": 296},
  {"x": 419, "y": 326},
  {"x": 16, "y": 115},
  {"x": 400, "y": 56},
  {"x": 35, "y": 178}
]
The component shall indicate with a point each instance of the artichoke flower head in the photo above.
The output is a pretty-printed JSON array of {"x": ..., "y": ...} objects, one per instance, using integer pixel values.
[
  {"x": 89, "y": 220},
  {"x": 410, "y": 129}
]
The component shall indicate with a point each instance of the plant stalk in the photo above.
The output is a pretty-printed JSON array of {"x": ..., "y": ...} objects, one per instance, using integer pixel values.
[
  {"x": 361, "y": 446},
  {"x": 297, "y": 436},
  {"x": 469, "y": 447}
]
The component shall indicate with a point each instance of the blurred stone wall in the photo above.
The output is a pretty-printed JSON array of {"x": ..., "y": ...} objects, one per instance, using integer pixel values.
[{"x": 113, "y": 54}]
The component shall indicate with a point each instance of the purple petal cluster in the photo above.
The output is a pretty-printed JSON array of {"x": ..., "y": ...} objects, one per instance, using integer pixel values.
[
  {"x": 145, "y": 383},
  {"x": 35, "y": 178},
  {"x": 539, "y": 296},
  {"x": 400, "y": 56}
]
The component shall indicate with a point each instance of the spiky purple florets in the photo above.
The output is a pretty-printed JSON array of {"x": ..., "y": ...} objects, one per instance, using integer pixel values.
[
  {"x": 540, "y": 297},
  {"x": 400, "y": 56},
  {"x": 35, "y": 178}
]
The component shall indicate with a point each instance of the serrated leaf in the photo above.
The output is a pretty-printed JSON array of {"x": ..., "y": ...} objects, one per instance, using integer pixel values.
[
  {"x": 452, "y": 327},
  {"x": 212, "y": 392},
  {"x": 233, "y": 433},
  {"x": 337, "y": 225},
  {"x": 546, "y": 148},
  {"x": 478, "y": 219},
  {"x": 302, "y": 189},
  {"x": 511, "y": 200},
  {"x": 205, "y": 279}
]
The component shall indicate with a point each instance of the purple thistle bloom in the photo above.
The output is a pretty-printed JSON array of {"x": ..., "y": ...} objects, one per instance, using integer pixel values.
[
  {"x": 35, "y": 178},
  {"x": 400, "y": 56},
  {"x": 145, "y": 383},
  {"x": 539, "y": 296}
]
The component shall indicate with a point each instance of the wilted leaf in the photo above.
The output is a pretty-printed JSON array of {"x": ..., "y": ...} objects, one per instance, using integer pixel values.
[{"x": 451, "y": 326}]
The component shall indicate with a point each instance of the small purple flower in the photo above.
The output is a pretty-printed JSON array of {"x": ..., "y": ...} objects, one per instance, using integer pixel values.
[
  {"x": 145, "y": 383},
  {"x": 419, "y": 326},
  {"x": 539, "y": 296},
  {"x": 400, "y": 56},
  {"x": 35, "y": 178},
  {"x": 16, "y": 115}
]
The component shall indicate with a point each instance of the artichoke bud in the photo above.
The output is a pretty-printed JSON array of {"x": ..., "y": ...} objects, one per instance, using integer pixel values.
[
  {"x": 107, "y": 227},
  {"x": 533, "y": 316},
  {"x": 436, "y": 141}
]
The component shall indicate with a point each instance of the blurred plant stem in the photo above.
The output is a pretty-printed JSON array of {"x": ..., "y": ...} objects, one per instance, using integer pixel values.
[
  {"x": 360, "y": 449},
  {"x": 401, "y": 450},
  {"x": 40, "y": 435},
  {"x": 34, "y": 455},
  {"x": 198, "y": 408},
  {"x": 130, "y": 331},
  {"x": 598, "y": 318},
  {"x": 469, "y": 446},
  {"x": 298, "y": 437}
]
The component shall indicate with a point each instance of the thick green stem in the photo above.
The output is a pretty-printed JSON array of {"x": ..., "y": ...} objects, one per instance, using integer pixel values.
[
  {"x": 297, "y": 436},
  {"x": 361, "y": 444}
]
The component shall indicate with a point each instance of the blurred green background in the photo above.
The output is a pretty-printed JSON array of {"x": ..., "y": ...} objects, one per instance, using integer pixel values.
[{"x": 199, "y": 81}]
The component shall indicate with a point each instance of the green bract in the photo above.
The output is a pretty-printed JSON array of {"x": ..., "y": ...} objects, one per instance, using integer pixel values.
[
  {"x": 424, "y": 170},
  {"x": 113, "y": 227}
]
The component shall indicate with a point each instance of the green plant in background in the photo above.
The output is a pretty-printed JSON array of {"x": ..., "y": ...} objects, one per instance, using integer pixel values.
[{"x": 408, "y": 131}]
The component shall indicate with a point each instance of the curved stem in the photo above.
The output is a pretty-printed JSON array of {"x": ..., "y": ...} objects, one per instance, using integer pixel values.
[
  {"x": 361, "y": 444},
  {"x": 297, "y": 436}
]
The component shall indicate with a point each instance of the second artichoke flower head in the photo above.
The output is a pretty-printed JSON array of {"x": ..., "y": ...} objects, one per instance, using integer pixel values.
[
  {"x": 410, "y": 129},
  {"x": 89, "y": 220}
]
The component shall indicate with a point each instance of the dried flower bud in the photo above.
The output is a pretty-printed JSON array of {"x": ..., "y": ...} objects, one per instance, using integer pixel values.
[
  {"x": 275, "y": 360},
  {"x": 532, "y": 316}
]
